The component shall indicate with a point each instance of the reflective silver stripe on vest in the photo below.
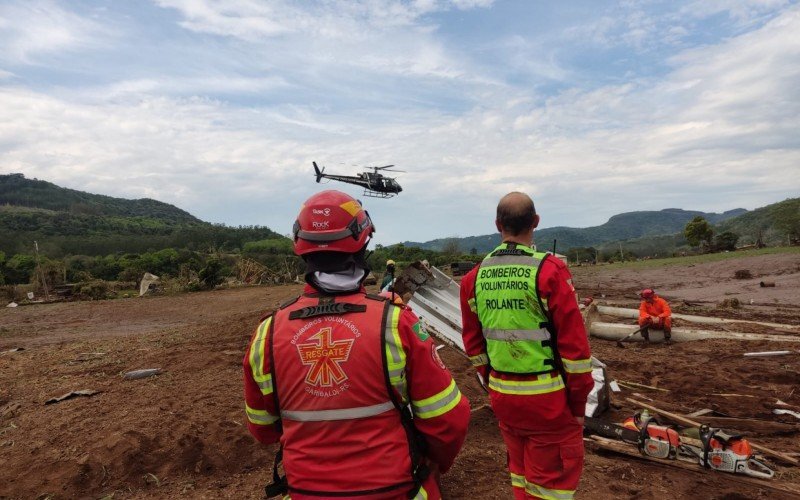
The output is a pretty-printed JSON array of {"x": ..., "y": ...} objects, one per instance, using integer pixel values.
[
  {"x": 265, "y": 386},
  {"x": 510, "y": 260},
  {"x": 343, "y": 414},
  {"x": 514, "y": 335}
]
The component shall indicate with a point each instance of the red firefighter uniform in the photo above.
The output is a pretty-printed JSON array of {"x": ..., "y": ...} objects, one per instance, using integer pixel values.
[
  {"x": 330, "y": 377},
  {"x": 536, "y": 412}
]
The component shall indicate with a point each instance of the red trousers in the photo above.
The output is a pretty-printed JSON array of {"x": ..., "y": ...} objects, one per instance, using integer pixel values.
[
  {"x": 545, "y": 464},
  {"x": 430, "y": 486}
]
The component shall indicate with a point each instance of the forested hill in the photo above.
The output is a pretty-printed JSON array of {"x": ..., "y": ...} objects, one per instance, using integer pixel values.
[
  {"x": 15, "y": 189},
  {"x": 68, "y": 222},
  {"x": 774, "y": 224},
  {"x": 619, "y": 227}
]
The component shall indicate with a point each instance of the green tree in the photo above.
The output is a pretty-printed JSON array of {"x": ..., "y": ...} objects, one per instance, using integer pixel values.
[
  {"x": 698, "y": 231},
  {"x": 211, "y": 275},
  {"x": 19, "y": 268},
  {"x": 450, "y": 247},
  {"x": 725, "y": 241}
]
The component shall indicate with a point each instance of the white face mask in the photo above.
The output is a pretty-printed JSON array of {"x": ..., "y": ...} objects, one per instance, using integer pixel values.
[{"x": 341, "y": 281}]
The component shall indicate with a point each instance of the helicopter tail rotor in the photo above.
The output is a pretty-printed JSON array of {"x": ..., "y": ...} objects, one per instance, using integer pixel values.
[{"x": 319, "y": 172}]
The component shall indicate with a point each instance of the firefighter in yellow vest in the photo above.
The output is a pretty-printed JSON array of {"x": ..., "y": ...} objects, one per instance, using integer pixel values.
[{"x": 524, "y": 334}]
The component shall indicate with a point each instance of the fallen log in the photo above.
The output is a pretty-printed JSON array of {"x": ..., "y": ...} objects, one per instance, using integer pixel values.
[
  {"x": 752, "y": 425},
  {"x": 634, "y": 313},
  {"x": 616, "y": 331},
  {"x": 687, "y": 421}
]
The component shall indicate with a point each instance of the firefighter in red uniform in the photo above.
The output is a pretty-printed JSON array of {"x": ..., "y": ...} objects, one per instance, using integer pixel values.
[
  {"x": 348, "y": 382},
  {"x": 524, "y": 334}
]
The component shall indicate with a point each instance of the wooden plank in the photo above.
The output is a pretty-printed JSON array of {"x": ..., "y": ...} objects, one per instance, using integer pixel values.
[{"x": 641, "y": 386}]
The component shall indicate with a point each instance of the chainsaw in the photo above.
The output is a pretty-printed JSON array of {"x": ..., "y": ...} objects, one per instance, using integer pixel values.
[
  {"x": 726, "y": 453},
  {"x": 714, "y": 450}
]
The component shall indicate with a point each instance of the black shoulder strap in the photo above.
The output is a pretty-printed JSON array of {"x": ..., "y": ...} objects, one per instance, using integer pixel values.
[
  {"x": 550, "y": 326},
  {"x": 416, "y": 443},
  {"x": 279, "y": 485},
  {"x": 373, "y": 296},
  {"x": 289, "y": 302}
]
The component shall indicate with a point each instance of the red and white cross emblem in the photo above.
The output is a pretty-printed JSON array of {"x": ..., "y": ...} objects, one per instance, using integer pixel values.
[{"x": 325, "y": 356}]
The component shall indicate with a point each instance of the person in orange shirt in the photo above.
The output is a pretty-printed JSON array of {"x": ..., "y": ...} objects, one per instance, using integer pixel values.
[{"x": 654, "y": 312}]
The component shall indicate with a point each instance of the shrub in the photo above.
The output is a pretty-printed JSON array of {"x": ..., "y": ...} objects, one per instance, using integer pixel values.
[{"x": 96, "y": 290}]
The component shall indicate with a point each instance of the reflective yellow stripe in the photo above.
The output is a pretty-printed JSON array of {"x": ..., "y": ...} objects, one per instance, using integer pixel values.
[
  {"x": 438, "y": 404},
  {"x": 259, "y": 417},
  {"x": 577, "y": 366},
  {"x": 258, "y": 351},
  {"x": 541, "y": 385},
  {"x": 472, "y": 306},
  {"x": 395, "y": 355},
  {"x": 421, "y": 494},
  {"x": 517, "y": 481},
  {"x": 548, "y": 494},
  {"x": 479, "y": 360}
]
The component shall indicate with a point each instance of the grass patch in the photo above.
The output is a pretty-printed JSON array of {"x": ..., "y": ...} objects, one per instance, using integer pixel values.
[{"x": 701, "y": 259}]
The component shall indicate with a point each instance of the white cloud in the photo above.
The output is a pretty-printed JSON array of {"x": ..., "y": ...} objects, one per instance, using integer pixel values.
[
  {"x": 336, "y": 19},
  {"x": 30, "y": 29},
  {"x": 211, "y": 84},
  {"x": 743, "y": 11},
  {"x": 717, "y": 130}
]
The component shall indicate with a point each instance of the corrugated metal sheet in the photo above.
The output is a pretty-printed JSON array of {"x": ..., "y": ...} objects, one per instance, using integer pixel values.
[{"x": 436, "y": 302}]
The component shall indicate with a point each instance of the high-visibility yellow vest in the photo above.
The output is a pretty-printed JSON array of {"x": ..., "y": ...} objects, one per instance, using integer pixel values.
[{"x": 512, "y": 315}]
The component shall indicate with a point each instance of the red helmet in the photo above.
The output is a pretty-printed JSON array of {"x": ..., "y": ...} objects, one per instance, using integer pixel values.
[
  {"x": 647, "y": 293},
  {"x": 331, "y": 221}
]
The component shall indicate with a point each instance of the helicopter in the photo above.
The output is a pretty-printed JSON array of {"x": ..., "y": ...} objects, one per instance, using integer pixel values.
[{"x": 375, "y": 184}]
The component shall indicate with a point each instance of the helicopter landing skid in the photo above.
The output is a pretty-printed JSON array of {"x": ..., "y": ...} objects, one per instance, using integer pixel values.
[{"x": 376, "y": 194}]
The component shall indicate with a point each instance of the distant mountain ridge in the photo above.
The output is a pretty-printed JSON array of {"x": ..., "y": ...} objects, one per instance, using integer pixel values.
[
  {"x": 623, "y": 226},
  {"x": 68, "y": 222},
  {"x": 17, "y": 190}
]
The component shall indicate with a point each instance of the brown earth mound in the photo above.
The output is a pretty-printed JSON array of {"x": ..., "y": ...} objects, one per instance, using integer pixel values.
[{"x": 182, "y": 433}]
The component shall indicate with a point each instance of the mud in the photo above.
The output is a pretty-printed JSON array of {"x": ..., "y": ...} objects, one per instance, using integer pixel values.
[{"x": 182, "y": 433}]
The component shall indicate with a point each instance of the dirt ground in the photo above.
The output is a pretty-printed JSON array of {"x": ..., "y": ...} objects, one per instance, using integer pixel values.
[{"x": 182, "y": 433}]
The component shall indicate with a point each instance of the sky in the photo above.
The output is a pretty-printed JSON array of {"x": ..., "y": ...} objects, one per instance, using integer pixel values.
[{"x": 592, "y": 107}]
